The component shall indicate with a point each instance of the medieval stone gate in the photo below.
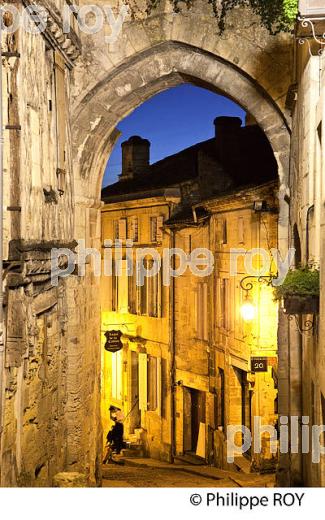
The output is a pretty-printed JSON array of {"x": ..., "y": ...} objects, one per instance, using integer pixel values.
[{"x": 106, "y": 83}]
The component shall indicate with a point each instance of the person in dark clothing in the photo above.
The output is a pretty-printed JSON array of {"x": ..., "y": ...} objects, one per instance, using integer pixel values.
[{"x": 115, "y": 436}]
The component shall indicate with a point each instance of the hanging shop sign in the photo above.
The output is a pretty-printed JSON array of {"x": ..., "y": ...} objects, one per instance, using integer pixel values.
[
  {"x": 113, "y": 340},
  {"x": 259, "y": 364}
]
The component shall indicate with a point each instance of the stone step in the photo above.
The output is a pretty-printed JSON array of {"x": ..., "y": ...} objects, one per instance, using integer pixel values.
[
  {"x": 132, "y": 453},
  {"x": 189, "y": 458}
]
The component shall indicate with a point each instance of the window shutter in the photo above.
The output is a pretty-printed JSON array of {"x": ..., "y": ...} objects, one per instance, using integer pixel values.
[
  {"x": 219, "y": 232},
  {"x": 199, "y": 316},
  {"x": 153, "y": 229},
  {"x": 122, "y": 229},
  {"x": 188, "y": 244},
  {"x": 240, "y": 227},
  {"x": 224, "y": 232},
  {"x": 143, "y": 396},
  {"x": 159, "y": 396},
  {"x": 159, "y": 294},
  {"x": 123, "y": 287},
  {"x": 196, "y": 312},
  {"x": 205, "y": 311},
  {"x": 134, "y": 229},
  {"x": 159, "y": 232}
]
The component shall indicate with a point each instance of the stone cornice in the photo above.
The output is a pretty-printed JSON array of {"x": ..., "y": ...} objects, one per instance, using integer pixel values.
[{"x": 68, "y": 44}]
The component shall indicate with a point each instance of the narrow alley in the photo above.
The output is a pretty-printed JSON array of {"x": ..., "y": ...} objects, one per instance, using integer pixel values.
[{"x": 153, "y": 473}]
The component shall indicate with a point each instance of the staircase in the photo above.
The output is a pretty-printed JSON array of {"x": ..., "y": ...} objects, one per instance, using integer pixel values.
[{"x": 135, "y": 447}]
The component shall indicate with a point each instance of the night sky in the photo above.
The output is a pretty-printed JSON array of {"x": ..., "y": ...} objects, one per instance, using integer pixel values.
[{"x": 172, "y": 121}]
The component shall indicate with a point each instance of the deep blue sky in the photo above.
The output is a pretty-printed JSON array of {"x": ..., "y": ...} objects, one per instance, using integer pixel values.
[{"x": 172, "y": 120}]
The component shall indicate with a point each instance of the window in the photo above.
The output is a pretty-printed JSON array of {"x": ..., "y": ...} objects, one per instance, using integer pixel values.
[
  {"x": 119, "y": 286},
  {"x": 115, "y": 229},
  {"x": 240, "y": 228},
  {"x": 149, "y": 383},
  {"x": 114, "y": 288},
  {"x": 224, "y": 303},
  {"x": 152, "y": 383},
  {"x": 133, "y": 293},
  {"x": 188, "y": 244},
  {"x": 202, "y": 311},
  {"x": 134, "y": 229},
  {"x": 122, "y": 229},
  {"x": 221, "y": 399},
  {"x": 164, "y": 388},
  {"x": 156, "y": 231},
  {"x": 117, "y": 375},
  {"x": 150, "y": 296},
  {"x": 122, "y": 277},
  {"x": 224, "y": 232},
  {"x": 143, "y": 396}
]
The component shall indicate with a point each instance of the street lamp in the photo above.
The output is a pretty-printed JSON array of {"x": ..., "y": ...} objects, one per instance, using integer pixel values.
[{"x": 248, "y": 310}]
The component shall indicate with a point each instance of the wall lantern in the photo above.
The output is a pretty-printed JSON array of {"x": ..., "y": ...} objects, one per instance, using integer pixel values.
[{"x": 248, "y": 309}]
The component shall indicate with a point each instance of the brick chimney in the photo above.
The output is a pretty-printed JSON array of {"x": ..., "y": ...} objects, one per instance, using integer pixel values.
[
  {"x": 227, "y": 137},
  {"x": 135, "y": 157},
  {"x": 225, "y": 125}
]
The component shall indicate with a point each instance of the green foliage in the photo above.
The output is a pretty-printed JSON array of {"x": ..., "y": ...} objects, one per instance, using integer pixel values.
[
  {"x": 276, "y": 15},
  {"x": 299, "y": 282}
]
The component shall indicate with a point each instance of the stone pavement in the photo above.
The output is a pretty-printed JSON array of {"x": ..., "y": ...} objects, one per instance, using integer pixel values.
[{"x": 154, "y": 473}]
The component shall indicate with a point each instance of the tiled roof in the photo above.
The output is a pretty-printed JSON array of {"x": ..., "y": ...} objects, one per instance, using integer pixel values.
[{"x": 246, "y": 157}]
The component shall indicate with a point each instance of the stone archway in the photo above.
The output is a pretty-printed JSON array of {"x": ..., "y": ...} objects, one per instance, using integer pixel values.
[{"x": 165, "y": 50}]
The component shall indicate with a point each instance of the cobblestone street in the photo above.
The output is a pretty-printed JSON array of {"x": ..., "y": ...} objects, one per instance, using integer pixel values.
[{"x": 149, "y": 473}]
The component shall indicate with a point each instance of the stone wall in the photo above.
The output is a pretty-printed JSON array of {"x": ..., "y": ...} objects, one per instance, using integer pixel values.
[
  {"x": 301, "y": 381},
  {"x": 50, "y": 418},
  {"x": 105, "y": 84}
]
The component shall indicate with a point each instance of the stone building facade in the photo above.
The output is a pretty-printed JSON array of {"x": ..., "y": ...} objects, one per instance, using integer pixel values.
[
  {"x": 184, "y": 371},
  {"x": 215, "y": 345},
  {"x": 301, "y": 353},
  {"x": 53, "y": 167}
]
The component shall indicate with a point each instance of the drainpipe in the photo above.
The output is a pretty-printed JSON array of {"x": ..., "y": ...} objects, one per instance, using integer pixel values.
[
  {"x": 1, "y": 249},
  {"x": 173, "y": 354},
  {"x": 310, "y": 209}
]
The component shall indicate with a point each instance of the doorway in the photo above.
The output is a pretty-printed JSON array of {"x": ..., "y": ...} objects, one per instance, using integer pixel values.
[
  {"x": 194, "y": 415},
  {"x": 135, "y": 416}
]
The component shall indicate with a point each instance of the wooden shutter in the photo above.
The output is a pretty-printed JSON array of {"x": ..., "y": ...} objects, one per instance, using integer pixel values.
[
  {"x": 240, "y": 227},
  {"x": 224, "y": 232},
  {"x": 143, "y": 389},
  {"x": 134, "y": 229},
  {"x": 153, "y": 229},
  {"x": 123, "y": 287},
  {"x": 205, "y": 311},
  {"x": 122, "y": 229},
  {"x": 159, "y": 232},
  {"x": 159, "y": 294},
  {"x": 159, "y": 396}
]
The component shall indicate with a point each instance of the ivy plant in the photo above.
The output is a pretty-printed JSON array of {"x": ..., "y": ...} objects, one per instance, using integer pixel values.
[
  {"x": 299, "y": 282},
  {"x": 276, "y": 15}
]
